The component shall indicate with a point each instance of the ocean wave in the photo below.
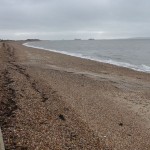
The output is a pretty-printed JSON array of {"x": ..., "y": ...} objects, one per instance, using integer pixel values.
[{"x": 141, "y": 68}]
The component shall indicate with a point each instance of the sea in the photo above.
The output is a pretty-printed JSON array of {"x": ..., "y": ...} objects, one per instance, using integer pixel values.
[{"x": 129, "y": 53}]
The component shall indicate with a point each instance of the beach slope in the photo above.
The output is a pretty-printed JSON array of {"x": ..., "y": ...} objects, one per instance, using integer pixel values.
[{"x": 54, "y": 101}]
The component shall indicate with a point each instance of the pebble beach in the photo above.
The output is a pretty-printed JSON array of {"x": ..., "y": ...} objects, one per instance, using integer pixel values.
[{"x": 52, "y": 101}]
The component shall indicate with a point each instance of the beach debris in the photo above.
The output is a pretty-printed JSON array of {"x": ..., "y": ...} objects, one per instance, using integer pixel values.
[
  {"x": 62, "y": 117},
  {"x": 120, "y": 124}
]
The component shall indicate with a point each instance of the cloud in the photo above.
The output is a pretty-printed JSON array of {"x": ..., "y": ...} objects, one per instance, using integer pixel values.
[{"x": 71, "y": 18}]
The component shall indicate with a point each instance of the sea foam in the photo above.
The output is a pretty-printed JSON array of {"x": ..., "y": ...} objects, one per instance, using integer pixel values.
[{"x": 141, "y": 68}]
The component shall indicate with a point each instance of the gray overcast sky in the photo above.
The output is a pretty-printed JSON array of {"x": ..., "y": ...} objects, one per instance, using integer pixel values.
[{"x": 69, "y": 19}]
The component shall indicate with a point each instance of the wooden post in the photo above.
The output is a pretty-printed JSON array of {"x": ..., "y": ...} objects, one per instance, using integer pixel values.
[{"x": 1, "y": 141}]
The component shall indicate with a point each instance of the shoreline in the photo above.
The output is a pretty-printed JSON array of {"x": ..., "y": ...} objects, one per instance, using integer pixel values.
[
  {"x": 95, "y": 66},
  {"x": 141, "y": 68},
  {"x": 62, "y": 102}
]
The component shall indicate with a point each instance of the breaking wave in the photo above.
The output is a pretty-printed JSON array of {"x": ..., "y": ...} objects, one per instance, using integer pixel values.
[{"x": 142, "y": 67}]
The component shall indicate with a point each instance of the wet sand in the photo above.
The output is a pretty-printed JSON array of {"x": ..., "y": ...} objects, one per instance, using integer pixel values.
[{"x": 57, "y": 102}]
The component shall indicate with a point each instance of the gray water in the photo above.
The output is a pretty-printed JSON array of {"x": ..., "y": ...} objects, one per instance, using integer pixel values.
[{"x": 130, "y": 53}]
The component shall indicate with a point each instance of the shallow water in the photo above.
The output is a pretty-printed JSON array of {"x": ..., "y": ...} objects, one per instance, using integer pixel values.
[{"x": 130, "y": 53}]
